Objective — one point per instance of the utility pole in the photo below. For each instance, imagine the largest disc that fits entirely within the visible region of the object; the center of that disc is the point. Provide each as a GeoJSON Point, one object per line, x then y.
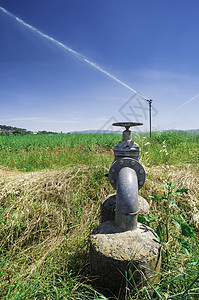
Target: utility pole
{"type": "Point", "coordinates": [150, 102]}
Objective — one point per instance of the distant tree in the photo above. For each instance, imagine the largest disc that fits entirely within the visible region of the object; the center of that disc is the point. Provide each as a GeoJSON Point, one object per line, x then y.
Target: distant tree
{"type": "Point", "coordinates": [19, 131]}
{"type": "Point", "coordinates": [42, 132]}
{"type": "Point", "coordinates": [46, 132]}
{"type": "Point", "coordinates": [7, 130]}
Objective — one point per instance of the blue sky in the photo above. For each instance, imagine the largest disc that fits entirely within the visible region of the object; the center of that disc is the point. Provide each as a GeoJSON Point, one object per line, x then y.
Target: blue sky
{"type": "Point", "coordinates": [151, 46]}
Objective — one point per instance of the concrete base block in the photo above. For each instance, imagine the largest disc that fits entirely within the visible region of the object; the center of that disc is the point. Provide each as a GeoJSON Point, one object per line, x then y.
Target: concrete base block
{"type": "Point", "coordinates": [109, 204]}
{"type": "Point", "coordinates": [117, 255]}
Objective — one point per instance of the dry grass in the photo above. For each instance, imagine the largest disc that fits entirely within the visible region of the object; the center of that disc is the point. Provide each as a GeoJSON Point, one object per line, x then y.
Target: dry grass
{"type": "Point", "coordinates": [43, 211]}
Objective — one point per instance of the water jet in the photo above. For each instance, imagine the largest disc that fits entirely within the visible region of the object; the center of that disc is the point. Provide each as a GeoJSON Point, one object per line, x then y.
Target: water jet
{"type": "Point", "coordinates": [68, 49]}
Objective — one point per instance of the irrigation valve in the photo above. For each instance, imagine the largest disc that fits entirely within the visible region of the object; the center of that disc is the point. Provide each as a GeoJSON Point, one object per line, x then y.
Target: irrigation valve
{"type": "Point", "coordinates": [114, 256]}
{"type": "Point", "coordinates": [127, 176]}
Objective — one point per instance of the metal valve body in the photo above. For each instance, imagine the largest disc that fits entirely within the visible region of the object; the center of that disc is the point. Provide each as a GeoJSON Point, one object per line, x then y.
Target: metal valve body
{"type": "Point", "coordinates": [127, 147]}
{"type": "Point", "coordinates": [126, 175]}
{"type": "Point", "coordinates": [125, 246]}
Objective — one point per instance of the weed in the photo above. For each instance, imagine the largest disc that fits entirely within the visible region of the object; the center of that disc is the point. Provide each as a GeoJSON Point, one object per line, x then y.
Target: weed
{"type": "Point", "coordinates": [180, 245]}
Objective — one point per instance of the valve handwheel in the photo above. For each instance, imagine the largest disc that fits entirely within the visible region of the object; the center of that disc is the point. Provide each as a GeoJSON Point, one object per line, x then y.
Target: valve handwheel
{"type": "Point", "coordinates": [127, 125]}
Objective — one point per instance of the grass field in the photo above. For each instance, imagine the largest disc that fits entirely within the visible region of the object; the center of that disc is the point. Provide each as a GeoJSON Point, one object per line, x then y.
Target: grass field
{"type": "Point", "coordinates": [51, 190]}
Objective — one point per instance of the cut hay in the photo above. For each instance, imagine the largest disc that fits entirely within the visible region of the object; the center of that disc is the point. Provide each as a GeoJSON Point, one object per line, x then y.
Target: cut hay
{"type": "Point", "coordinates": [41, 211]}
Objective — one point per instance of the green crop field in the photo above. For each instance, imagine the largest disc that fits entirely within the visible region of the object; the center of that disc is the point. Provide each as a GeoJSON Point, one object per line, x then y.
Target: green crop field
{"type": "Point", "coordinates": [52, 187]}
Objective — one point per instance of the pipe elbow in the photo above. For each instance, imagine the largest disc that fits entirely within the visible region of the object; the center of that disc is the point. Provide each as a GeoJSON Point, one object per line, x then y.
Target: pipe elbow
{"type": "Point", "coordinates": [127, 199]}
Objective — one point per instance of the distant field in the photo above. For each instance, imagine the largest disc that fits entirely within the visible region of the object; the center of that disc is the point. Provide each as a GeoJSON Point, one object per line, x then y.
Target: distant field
{"type": "Point", "coordinates": [37, 152]}
{"type": "Point", "coordinates": [52, 187]}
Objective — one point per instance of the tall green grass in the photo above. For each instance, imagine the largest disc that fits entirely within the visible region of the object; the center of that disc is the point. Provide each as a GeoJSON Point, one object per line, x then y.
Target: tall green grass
{"type": "Point", "coordinates": [171, 147]}
{"type": "Point", "coordinates": [16, 143]}
{"type": "Point", "coordinates": [36, 152]}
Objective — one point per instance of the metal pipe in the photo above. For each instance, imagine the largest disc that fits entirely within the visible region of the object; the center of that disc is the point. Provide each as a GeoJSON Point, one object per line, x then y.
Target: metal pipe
{"type": "Point", "coordinates": [127, 199]}
{"type": "Point", "coordinates": [150, 102]}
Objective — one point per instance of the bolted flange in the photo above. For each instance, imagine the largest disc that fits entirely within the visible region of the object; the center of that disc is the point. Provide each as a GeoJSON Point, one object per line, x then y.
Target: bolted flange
{"type": "Point", "coordinates": [130, 163]}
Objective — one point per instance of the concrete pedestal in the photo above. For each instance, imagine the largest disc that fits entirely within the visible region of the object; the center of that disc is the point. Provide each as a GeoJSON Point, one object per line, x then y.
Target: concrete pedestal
{"type": "Point", "coordinates": [117, 255]}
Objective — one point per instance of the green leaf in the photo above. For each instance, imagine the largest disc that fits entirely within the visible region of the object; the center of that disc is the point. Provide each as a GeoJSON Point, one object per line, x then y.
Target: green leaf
{"type": "Point", "coordinates": [168, 184]}
{"type": "Point", "coordinates": [142, 219]}
{"type": "Point", "coordinates": [157, 239]}
{"type": "Point", "coordinates": [169, 187]}
{"type": "Point", "coordinates": [185, 246]}
{"type": "Point", "coordinates": [186, 230]}
{"type": "Point", "coordinates": [151, 218]}
{"type": "Point", "coordinates": [177, 223]}
{"type": "Point", "coordinates": [183, 227]}
{"type": "Point", "coordinates": [155, 197]}
{"type": "Point", "coordinates": [159, 231]}
{"type": "Point", "coordinates": [181, 191]}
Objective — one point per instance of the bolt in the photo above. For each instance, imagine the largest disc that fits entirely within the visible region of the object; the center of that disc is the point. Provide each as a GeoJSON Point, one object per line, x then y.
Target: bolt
{"type": "Point", "coordinates": [132, 163]}
{"type": "Point", "coordinates": [140, 182]}
{"type": "Point", "coordinates": [112, 170]}
{"type": "Point", "coordinates": [112, 181]}
{"type": "Point", "coordinates": [141, 171]}
{"type": "Point", "coordinates": [121, 162]}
